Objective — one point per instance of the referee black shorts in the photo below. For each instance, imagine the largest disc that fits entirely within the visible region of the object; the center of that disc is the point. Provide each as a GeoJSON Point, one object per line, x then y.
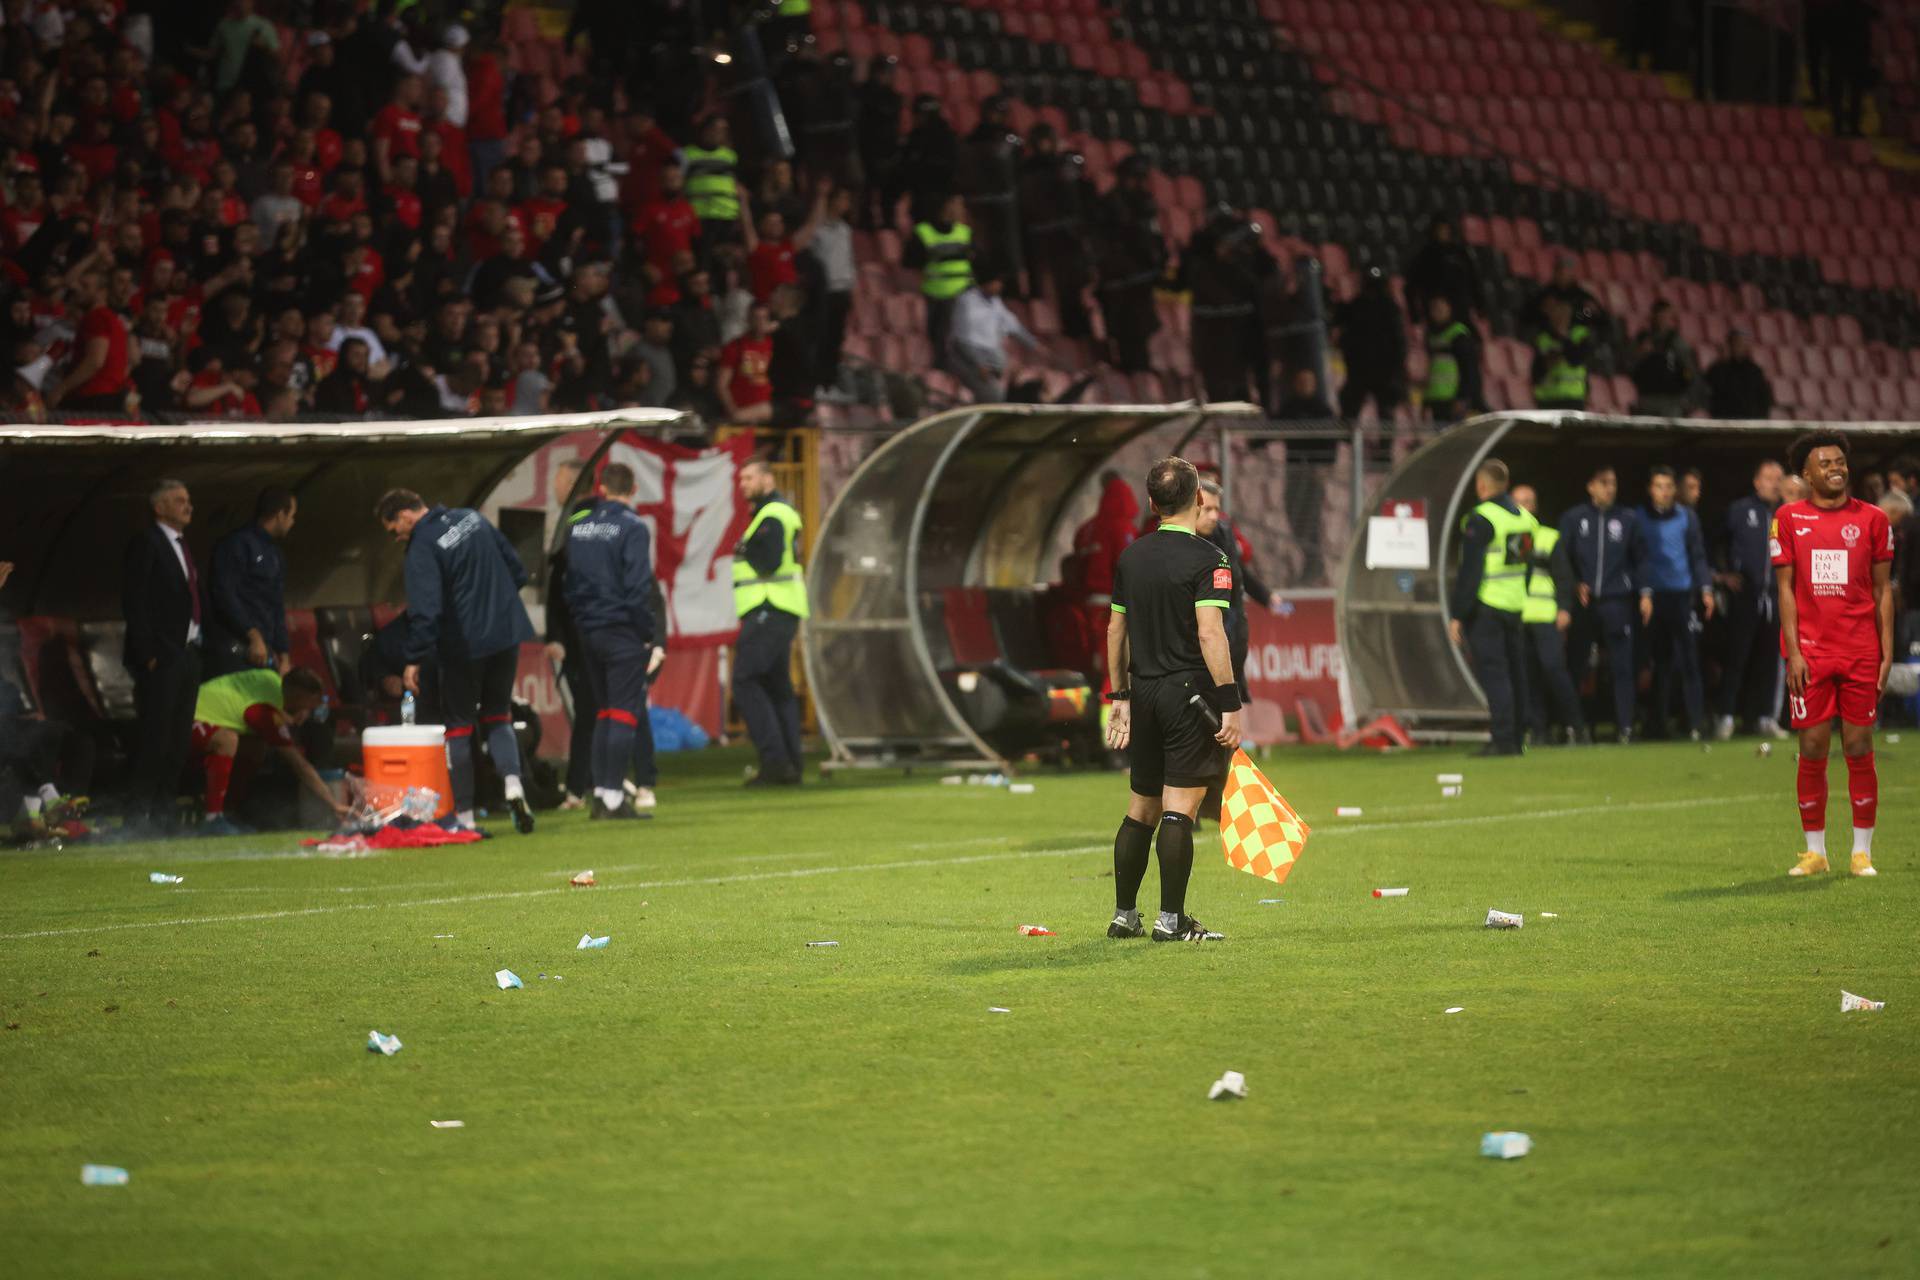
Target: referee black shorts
{"type": "Point", "coordinates": [1172, 744]}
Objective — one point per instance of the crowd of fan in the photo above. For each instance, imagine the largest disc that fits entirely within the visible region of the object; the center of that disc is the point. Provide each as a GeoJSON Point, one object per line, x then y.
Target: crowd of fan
{"type": "Point", "coordinates": [402, 231]}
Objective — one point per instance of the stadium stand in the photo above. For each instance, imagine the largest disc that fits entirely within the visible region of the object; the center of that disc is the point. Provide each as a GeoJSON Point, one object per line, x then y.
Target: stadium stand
{"type": "Point", "coordinates": [1342, 139]}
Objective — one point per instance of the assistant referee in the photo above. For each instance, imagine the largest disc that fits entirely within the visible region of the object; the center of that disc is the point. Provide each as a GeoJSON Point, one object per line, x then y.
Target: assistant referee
{"type": "Point", "coordinates": [1166, 645]}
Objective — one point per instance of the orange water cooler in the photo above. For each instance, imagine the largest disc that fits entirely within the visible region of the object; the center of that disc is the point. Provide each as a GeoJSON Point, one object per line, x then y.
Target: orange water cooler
{"type": "Point", "coordinates": [398, 756]}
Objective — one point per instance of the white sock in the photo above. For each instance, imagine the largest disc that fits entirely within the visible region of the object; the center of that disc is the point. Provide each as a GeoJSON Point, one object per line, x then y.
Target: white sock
{"type": "Point", "coordinates": [49, 793]}
{"type": "Point", "coordinates": [610, 797]}
{"type": "Point", "coordinates": [511, 785]}
{"type": "Point", "coordinates": [1863, 840]}
{"type": "Point", "coordinates": [1817, 842]}
{"type": "Point", "coordinates": [464, 817]}
{"type": "Point", "coordinates": [1170, 921]}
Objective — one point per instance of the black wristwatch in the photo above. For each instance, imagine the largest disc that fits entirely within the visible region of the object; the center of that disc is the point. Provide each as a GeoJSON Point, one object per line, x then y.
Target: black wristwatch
{"type": "Point", "coordinates": [1120, 695]}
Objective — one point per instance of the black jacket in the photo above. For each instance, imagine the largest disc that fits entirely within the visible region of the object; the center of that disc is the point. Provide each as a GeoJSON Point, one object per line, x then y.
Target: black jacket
{"type": "Point", "coordinates": [155, 600]}
{"type": "Point", "coordinates": [1738, 389]}
{"type": "Point", "coordinates": [247, 580]}
{"type": "Point", "coordinates": [1749, 532]}
{"type": "Point", "coordinates": [463, 588]}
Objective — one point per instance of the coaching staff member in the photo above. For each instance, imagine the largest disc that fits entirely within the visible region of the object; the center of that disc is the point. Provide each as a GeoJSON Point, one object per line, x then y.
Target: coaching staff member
{"type": "Point", "coordinates": [1167, 643]}
{"type": "Point", "coordinates": [248, 582]}
{"type": "Point", "coordinates": [609, 591]}
{"type": "Point", "coordinates": [1489, 597]}
{"type": "Point", "coordinates": [770, 595]}
{"type": "Point", "coordinates": [463, 606]}
{"type": "Point", "coordinates": [165, 605]}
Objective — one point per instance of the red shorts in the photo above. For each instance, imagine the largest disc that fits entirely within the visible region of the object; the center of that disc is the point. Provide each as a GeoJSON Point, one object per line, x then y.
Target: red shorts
{"type": "Point", "coordinates": [1847, 685]}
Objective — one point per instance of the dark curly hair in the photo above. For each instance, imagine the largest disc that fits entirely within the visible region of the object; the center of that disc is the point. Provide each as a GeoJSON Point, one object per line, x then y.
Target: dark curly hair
{"type": "Point", "coordinates": [1803, 446]}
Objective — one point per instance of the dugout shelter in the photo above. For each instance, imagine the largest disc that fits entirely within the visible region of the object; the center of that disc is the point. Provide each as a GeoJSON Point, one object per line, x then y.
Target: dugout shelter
{"type": "Point", "coordinates": [1392, 608]}
{"type": "Point", "coordinates": [934, 576]}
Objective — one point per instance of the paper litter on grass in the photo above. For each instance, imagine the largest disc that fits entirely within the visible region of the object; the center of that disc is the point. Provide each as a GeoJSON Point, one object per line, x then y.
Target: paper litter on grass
{"type": "Point", "coordinates": [1231, 1084]}
{"type": "Point", "coordinates": [439, 936]}
{"type": "Point", "coordinates": [1444, 778]}
{"type": "Point", "coordinates": [1271, 902]}
{"type": "Point", "coordinates": [1450, 792]}
{"type": "Point", "coordinates": [823, 944]}
{"type": "Point", "coordinates": [1389, 893]}
{"type": "Point", "coordinates": [448, 1124]}
{"type": "Point", "coordinates": [1505, 920]}
{"type": "Point", "coordinates": [103, 1175]}
{"type": "Point", "coordinates": [584, 880]}
{"type": "Point", "coordinates": [1851, 1003]}
{"type": "Point", "coordinates": [590, 943]}
{"type": "Point", "coordinates": [994, 1008]}
{"type": "Point", "coordinates": [161, 877]}
{"type": "Point", "coordinates": [508, 978]}
{"type": "Point", "coordinates": [386, 1046]}
{"type": "Point", "coordinates": [1549, 915]}
{"type": "Point", "coordinates": [1505, 1145]}
{"type": "Point", "coordinates": [1037, 931]}
{"type": "Point", "coordinates": [1020, 789]}
{"type": "Point", "coordinates": [1459, 1008]}
{"type": "Point", "coordinates": [1347, 811]}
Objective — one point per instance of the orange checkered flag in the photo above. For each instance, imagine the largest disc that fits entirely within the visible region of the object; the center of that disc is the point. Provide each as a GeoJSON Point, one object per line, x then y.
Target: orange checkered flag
{"type": "Point", "coordinates": [1259, 831]}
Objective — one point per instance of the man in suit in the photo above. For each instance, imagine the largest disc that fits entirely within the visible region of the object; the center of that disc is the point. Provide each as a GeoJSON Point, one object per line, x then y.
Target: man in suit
{"type": "Point", "coordinates": [165, 605]}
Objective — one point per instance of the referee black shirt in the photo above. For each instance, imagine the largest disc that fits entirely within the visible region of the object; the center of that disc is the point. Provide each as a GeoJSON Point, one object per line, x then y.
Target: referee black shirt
{"type": "Point", "coordinates": [1157, 583]}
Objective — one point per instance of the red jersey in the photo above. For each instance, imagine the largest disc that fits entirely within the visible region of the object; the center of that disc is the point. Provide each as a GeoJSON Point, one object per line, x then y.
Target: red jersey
{"type": "Point", "coordinates": [1833, 553]}
{"type": "Point", "coordinates": [749, 359]}
{"type": "Point", "coordinates": [669, 227]}
{"type": "Point", "coordinates": [400, 128]}
{"type": "Point", "coordinates": [111, 379]}
{"type": "Point", "coordinates": [769, 266]}
{"type": "Point", "coordinates": [540, 216]}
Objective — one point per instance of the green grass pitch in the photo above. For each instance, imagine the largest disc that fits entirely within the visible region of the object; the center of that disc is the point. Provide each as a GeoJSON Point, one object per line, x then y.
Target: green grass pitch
{"type": "Point", "coordinates": [710, 1097]}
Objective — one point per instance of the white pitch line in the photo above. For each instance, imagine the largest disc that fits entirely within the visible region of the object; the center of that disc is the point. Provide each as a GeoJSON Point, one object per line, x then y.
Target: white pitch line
{"type": "Point", "coordinates": [801, 873]}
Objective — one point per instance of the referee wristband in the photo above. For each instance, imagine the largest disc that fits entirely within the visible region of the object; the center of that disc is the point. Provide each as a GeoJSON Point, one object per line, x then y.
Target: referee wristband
{"type": "Point", "coordinates": [1225, 697]}
{"type": "Point", "coordinates": [1120, 695]}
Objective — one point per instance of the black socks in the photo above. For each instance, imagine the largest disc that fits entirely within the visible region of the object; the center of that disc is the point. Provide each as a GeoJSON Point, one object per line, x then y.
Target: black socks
{"type": "Point", "coordinates": [1131, 846]}
{"type": "Point", "coordinates": [1176, 860]}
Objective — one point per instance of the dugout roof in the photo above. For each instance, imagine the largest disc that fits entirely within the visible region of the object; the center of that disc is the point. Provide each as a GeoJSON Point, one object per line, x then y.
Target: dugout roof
{"type": "Point", "coordinates": [1393, 622]}
{"type": "Point", "coordinates": [72, 497]}
{"type": "Point", "coordinates": [973, 497]}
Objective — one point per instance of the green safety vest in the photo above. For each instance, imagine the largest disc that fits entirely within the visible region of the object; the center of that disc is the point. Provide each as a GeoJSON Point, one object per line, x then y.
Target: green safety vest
{"type": "Point", "coordinates": [1542, 604]}
{"type": "Point", "coordinates": [1564, 381]}
{"type": "Point", "coordinates": [795, 8]}
{"type": "Point", "coordinates": [711, 180]}
{"type": "Point", "coordinates": [223, 702]}
{"type": "Point", "coordinates": [786, 589]}
{"type": "Point", "coordinates": [1503, 580]}
{"type": "Point", "coordinates": [949, 269]}
{"type": "Point", "coordinates": [1443, 370]}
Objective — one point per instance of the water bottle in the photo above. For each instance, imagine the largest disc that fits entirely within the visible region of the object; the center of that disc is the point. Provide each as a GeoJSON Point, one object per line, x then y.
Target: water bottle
{"type": "Point", "coordinates": [321, 712]}
{"type": "Point", "coordinates": [406, 707]}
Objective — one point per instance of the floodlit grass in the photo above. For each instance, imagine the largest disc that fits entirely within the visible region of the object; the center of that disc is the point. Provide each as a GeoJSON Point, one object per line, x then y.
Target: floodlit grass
{"type": "Point", "coordinates": [709, 1096]}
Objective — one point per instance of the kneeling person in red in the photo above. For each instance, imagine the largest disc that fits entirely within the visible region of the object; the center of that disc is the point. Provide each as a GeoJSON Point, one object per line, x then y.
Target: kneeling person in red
{"type": "Point", "coordinates": [238, 718]}
{"type": "Point", "coordinates": [1833, 556]}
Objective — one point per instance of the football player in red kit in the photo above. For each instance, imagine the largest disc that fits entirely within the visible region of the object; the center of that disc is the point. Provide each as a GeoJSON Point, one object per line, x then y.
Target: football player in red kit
{"type": "Point", "coordinates": [1833, 555]}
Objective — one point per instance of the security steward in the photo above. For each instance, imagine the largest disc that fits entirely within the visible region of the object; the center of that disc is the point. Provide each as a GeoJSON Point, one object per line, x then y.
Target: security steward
{"type": "Point", "coordinates": [609, 591]}
{"type": "Point", "coordinates": [1453, 364]}
{"type": "Point", "coordinates": [1547, 615]}
{"type": "Point", "coordinates": [1561, 353]}
{"type": "Point", "coordinates": [770, 595]}
{"type": "Point", "coordinates": [943, 250]}
{"type": "Point", "coordinates": [247, 580]}
{"type": "Point", "coordinates": [1489, 597]}
{"type": "Point", "coordinates": [463, 607]}
{"type": "Point", "coordinates": [713, 183]}
{"type": "Point", "coordinates": [1167, 649]}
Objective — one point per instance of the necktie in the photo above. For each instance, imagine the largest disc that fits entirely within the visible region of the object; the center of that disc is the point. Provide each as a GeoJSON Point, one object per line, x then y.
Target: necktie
{"type": "Point", "coordinates": [193, 578]}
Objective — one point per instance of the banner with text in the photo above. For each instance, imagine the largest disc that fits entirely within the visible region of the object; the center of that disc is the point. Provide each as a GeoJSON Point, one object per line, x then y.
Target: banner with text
{"type": "Point", "coordinates": [1292, 654]}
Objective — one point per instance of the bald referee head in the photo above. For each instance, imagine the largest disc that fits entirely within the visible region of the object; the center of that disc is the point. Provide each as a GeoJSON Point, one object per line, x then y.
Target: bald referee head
{"type": "Point", "coordinates": [1176, 707]}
